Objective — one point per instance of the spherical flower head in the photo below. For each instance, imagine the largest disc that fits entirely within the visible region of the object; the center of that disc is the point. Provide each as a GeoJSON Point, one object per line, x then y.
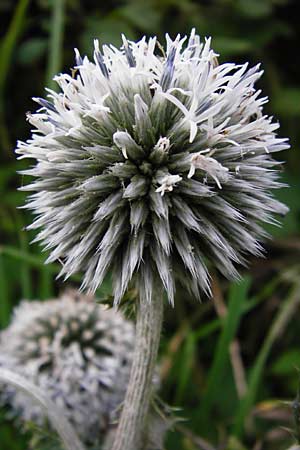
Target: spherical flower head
{"type": "Point", "coordinates": [78, 352]}
{"type": "Point", "coordinates": [153, 164]}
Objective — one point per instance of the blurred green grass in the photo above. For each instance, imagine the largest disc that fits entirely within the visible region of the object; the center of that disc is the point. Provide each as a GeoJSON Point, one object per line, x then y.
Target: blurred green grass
{"type": "Point", "coordinates": [37, 40]}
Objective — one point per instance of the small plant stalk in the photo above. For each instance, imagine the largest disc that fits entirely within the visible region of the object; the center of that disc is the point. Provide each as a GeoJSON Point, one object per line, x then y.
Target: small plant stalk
{"type": "Point", "coordinates": [56, 417]}
{"type": "Point", "coordinates": [131, 432]}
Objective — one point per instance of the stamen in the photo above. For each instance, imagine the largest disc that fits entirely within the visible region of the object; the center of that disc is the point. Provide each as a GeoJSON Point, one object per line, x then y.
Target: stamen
{"type": "Point", "coordinates": [99, 59]}
{"type": "Point", "coordinates": [169, 69]}
{"type": "Point", "coordinates": [128, 52]}
{"type": "Point", "coordinates": [45, 104]}
{"type": "Point", "coordinates": [209, 165]}
{"type": "Point", "coordinates": [168, 183]}
{"type": "Point", "coordinates": [78, 59]}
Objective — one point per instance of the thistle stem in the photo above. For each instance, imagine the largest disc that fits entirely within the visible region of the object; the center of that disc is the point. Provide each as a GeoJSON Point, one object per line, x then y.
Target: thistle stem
{"type": "Point", "coordinates": [132, 428]}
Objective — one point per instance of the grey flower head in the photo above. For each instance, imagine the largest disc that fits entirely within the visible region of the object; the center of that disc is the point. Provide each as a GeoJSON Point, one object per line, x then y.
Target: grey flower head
{"type": "Point", "coordinates": [153, 164]}
{"type": "Point", "coordinates": [78, 352]}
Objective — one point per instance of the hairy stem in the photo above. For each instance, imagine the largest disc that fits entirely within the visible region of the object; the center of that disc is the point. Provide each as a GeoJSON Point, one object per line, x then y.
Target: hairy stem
{"type": "Point", "coordinates": [132, 428]}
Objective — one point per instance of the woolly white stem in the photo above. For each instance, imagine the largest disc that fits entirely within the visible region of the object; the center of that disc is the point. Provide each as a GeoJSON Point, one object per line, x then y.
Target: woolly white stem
{"type": "Point", "coordinates": [131, 431]}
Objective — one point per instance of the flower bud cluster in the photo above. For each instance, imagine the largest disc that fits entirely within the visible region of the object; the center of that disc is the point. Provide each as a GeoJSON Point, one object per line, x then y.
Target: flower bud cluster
{"type": "Point", "coordinates": [79, 353]}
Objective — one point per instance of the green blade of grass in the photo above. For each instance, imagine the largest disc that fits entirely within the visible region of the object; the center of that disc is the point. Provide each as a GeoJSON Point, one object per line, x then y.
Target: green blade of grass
{"type": "Point", "coordinates": [214, 325]}
{"type": "Point", "coordinates": [6, 53]}
{"type": "Point", "coordinates": [237, 299]}
{"type": "Point", "coordinates": [285, 313]}
{"type": "Point", "coordinates": [208, 329]}
{"type": "Point", "coordinates": [56, 42]}
{"type": "Point", "coordinates": [25, 269]}
{"type": "Point", "coordinates": [4, 296]}
{"type": "Point", "coordinates": [21, 255]}
{"type": "Point", "coordinates": [186, 364]}
{"type": "Point", "coordinates": [25, 272]}
{"type": "Point", "coordinates": [38, 262]}
{"type": "Point", "coordinates": [10, 39]}
{"type": "Point", "coordinates": [247, 306]}
{"type": "Point", "coordinates": [46, 283]}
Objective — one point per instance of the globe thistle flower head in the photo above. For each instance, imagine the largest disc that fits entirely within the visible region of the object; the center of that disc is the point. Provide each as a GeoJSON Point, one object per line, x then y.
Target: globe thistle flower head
{"type": "Point", "coordinates": [153, 164]}
{"type": "Point", "coordinates": [78, 352]}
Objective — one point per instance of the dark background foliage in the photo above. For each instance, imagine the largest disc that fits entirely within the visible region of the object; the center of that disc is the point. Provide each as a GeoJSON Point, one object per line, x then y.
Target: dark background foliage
{"type": "Point", "coordinates": [228, 363]}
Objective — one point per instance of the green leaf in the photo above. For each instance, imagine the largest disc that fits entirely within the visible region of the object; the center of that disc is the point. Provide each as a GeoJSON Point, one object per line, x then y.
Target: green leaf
{"type": "Point", "coordinates": [31, 50]}
{"type": "Point", "coordinates": [256, 9]}
{"type": "Point", "coordinates": [107, 30]}
{"type": "Point", "coordinates": [286, 102]}
{"type": "Point", "coordinates": [287, 363]}
{"type": "Point", "coordinates": [226, 45]}
{"type": "Point", "coordinates": [289, 225]}
{"type": "Point", "coordinates": [234, 444]}
{"type": "Point", "coordinates": [142, 15]}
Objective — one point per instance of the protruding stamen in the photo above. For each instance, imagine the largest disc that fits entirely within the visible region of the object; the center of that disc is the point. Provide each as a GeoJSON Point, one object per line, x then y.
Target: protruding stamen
{"type": "Point", "coordinates": [78, 58]}
{"type": "Point", "coordinates": [169, 69]}
{"type": "Point", "coordinates": [209, 165]}
{"type": "Point", "coordinates": [160, 151]}
{"type": "Point", "coordinates": [128, 52]}
{"type": "Point", "coordinates": [45, 104]}
{"type": "Point", "coordinates": [128, 146]}
{"type": "Point", "coordinates": [99, 59]}
{"type": "Point", "coordinates": [40, 121]}
{"type": "Point", "coordinates": [163, 144]}
{"type": "Point", "coordinates": [141, 108]}
{"type": "Point", "coordinates": [191, 41]}
{"type": "Point", "coordinates": [168, 183]}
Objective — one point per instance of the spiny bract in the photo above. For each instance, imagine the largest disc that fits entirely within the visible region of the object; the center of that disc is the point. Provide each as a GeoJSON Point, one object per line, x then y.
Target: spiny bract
{"type": "Point", "coordinates": [78, 352]}
{"type": "Point", "coordinates": [153, 165]}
